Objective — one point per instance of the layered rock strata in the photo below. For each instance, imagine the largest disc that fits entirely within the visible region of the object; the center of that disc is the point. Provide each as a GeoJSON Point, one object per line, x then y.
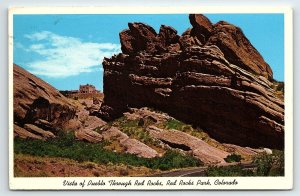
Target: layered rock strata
{"type": "Point", "coordinates": [211, 76]}
{"type": "Point", "coordinates": [200, 149]}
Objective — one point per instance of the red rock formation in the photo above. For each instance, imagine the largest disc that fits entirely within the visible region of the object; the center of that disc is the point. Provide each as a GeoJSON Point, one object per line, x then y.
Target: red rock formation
{"type": "Point", "coordinates": [131, 146]}
{"type": "Point", "coordinates": [35, 100]}
{"type": "Point", "coordinates": [202, 27]}
{"type": "Point", "coordinates": [25, 134]}
{"type": "Point", "coordinates": [232, 42]}
{"type": "Point", "coordinates": [206, 80]}
{"type": "Point", "coordinates": [238, 50]}
{"type": "Point", "coordinates": [88, 135]}
{"type": "Point", "coordinates": [200, 149]}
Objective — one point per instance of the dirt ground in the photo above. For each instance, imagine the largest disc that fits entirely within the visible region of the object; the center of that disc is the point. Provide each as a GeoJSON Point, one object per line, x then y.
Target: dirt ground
{"type": "Point", "coordinates": [33, 166]}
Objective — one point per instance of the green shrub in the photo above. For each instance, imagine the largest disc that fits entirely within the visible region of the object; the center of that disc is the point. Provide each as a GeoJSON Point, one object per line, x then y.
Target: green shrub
{"type": "Point", "coordinates": [235, 170]}
{"type": "Point", "coordinates": [130, 124]}
{"type": "Point", "coordinates": [174, 124]}
{"type": "Point", "coordinates": [270, 164]}
{"type": "Point", "coordinates": [67, 146]}
{"type": "Point", "coordinates": [233, 158]}
{"type": "Point", "coordinates": [137, 129]}
{"type": "Point", "coordinates": [266, 165]}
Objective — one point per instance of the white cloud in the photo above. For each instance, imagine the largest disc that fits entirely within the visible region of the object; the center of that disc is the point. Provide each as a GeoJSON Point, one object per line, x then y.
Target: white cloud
{"type": "Point", "coordinates": [38, 35]}
{"type": "Point", "coordinates": [64, 56]}
{"type": "Point", "coordinates": [36, 47]}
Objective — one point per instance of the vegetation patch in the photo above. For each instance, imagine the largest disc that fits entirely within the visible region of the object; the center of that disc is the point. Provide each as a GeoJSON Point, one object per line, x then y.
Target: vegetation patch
{"type": "Point", "coordinates": [189, 129]}
{"type": "Point", "coordinates": [174, 124]}
{"type": "Point", "coordinates": [137, 129]}
{"type": "Point", "coordinates": [270, 164]}
{"type": "Point", "coordinates": [233, 158]}
{"type": "Point", "coordinates": [35, 166]}
{"type": "Point", "coordinates": [66, 146]}
{"type": "Point", "coordinates": [265, 165]}
{"type": "Point", "coordinates": [278, 88]}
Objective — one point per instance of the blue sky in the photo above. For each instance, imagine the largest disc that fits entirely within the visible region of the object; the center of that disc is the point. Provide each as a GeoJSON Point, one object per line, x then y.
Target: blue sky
{"type": "Point", "coordinates": [67, 50]}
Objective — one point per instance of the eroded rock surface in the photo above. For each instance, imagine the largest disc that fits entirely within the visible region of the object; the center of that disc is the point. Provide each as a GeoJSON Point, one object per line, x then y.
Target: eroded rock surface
{"type": "Point", "coordinates": [25, 134]}
{"type": "Point", "coordinates": [131, 146]}
{"type": "Point", "coordinates": [38, 131]}
{"type": "Point", "coordinates": [88, 135]}
{"type": "Point", "coordinates": [35, 100]}
{"type": "Point", "coordinates": [93, 122]}
{"type": "Point", "coordinates": [211, 77]}
{"type": "Point", "coordinates": [200, 149]}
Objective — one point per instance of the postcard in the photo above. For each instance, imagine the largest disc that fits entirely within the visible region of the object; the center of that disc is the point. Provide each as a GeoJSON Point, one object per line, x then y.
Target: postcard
{"type": "Point", "coordinates": [150, 98]}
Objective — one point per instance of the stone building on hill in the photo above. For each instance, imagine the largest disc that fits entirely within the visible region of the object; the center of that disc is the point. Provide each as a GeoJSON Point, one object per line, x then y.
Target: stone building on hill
{"type": "Point", "coordinates": [88, 88]}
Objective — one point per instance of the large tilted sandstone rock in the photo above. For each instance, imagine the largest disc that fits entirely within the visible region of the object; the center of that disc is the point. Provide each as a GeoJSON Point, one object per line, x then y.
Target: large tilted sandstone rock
{"type": "Point", "coordinates": [88, 135]}
{"type": "Point", "coordinates": [211, 76]}
{"type": "Point", "coordinates": [35, 99]}
{"type": "Point", "coordinates": [38, 131]}
{"type": "Point", "coordinates": [87, 131]}
{"type": "Point", "coordinates": [131, 146]}
{"type": "Point", "coordinates": [200, 149]}
{"type": "Point", "coordinates": [25, 134]}
{"type": "Point", "coordinates": [232, 42]}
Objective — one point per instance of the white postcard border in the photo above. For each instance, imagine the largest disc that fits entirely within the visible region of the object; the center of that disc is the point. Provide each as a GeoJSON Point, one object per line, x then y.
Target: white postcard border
{"type": "Point", "coordinates": [244, 183]}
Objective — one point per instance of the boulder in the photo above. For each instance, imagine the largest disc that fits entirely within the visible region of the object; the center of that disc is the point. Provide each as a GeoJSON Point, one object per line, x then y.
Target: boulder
{"type": "Point", "coordinates": [44, 124]}
{"type": "Point", "coordinates": [142, 37]}
{"type": "Point", "coordinates": [127, 41]}
{"type": "Point", "coordinates": [23, 133]}
{"type": "Point", "coordinates": [94, 122]}
{"type": "Point", "coordinates": [138, 148]}
{"type": "Point", "coordinates": [72, 125]}
{"type": "Point", "coordinates": [131, 146]}
{"type": "Point", "coordinates": [114, 133]}
{"type": "Point", "coordinates": [180, 140]}
{"type": "Point", "coordinates": [139, 37]}
{"type": "Point", "coordinates": [168, 35]}
{"type": "Point", "coordinates": [202, 27]}
{"type": "Point", "coordinates": [38, 131]}
{"type": "Point", "coordinates": [88, 135]}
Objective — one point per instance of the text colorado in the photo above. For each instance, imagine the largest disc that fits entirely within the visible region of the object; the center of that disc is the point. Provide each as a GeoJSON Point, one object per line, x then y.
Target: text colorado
{"type": "Point", "coordinates": [225, 182]}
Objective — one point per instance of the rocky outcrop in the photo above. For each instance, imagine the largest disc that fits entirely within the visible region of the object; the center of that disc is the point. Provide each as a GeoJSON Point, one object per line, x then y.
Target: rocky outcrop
{"type": "Point", "coordinates": [180, 140]}
{"type": "Point", "coordinates": [86, 131]}
{"type": "Point", "coordinates": [32, 132]}
{"type": "Point", "coordinates": [25, 134]}
{"type": "Point", "coordinates": [144, 114]}
{"type": "Point", "coordinates": [238, 50]}
{"type": "Point", "coordinates": [93, 122]}
{"type": "Point", "coordinates": [88, 135]}
{"type": "Point", "coordinates": [36, 100]}
{"type": "Point", "coordinates": [38, 131]}
{"type": "Point", "coordinates": [131, 146]}
{"type": "Point", "coordinates": [211, 77]}
{"type": "Point", "coordinates": [240, 150]}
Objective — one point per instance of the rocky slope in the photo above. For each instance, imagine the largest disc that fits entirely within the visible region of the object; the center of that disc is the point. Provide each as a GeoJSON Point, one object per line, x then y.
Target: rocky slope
{"type": "Point", "coordinates": [211, 76]}
{"type": "Point", "coordinates": [35, 99]}
{"type": "Point", "coordinates": [149, 134]}
{"type": "Point", "coordinates": [40, 110]}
